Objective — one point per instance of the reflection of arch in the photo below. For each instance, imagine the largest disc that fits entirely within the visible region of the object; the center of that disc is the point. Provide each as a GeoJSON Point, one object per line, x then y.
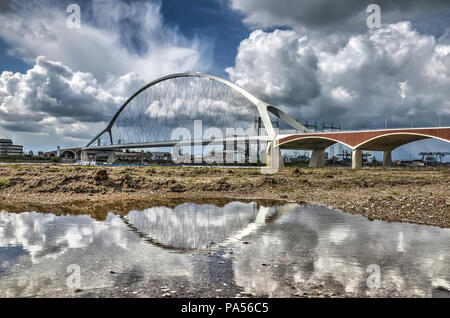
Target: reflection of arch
{"type": "Point", "coordinates": [173, 229]}
{"type": "Point", "coordinates": [390, 141]}
{"type": "Point", "coordinates": [146, 105]}
{"type": "Point", "coordinates": [149, 239]}
{"type": "Point", "coordinates": [310, 142]}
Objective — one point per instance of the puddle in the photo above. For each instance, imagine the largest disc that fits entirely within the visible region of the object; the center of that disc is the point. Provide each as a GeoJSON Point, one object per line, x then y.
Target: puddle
{"type": "Point", "coordinates": [220, 249]}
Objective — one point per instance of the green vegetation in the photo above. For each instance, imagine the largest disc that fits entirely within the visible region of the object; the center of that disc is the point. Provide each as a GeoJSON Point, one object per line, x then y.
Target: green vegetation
{"type": "Point", "coordinates": [4, 183]}
{"type": "Point", "coordinates": [11, 159]}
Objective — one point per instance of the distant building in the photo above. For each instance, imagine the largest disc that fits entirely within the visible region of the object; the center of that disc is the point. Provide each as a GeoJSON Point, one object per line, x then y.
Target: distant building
{"type": "Point", "coordinates": [161, 156]}
{"type": "Point", "coordinates": [7, 148]}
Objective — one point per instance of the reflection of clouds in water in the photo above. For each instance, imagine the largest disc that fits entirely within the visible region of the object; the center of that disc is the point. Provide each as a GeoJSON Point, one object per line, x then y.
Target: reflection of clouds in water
{"type": "Point", "coordinates": [78, 237]}
{"type": "Point", "coordinates": [248, 271]}
{"type": "Point", "coordinates": [54, 242]}
{"type": "Point", "coordinates": [310, 244]}
{"type": "Point", "coordinates": [338, 234]}
{"type": "Point", "coordinates": [274, 245]}
{"type": "Point", "coordinates": [342, 249]}
{"type": "Point", "coordinates": [400, 242]}
{"type": "Point", "coordinates": [47, 236]}
{"type": "Point", "coordinates": [26, 229]}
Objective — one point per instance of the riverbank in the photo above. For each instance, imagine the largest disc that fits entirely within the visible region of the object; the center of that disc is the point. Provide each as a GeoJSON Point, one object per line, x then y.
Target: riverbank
{"type": "Point", "coordinates": [418, 196]}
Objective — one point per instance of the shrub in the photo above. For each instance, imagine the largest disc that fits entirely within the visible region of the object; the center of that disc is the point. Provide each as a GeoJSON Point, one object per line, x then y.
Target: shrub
{"type": "Point", "coordinates": [4, 183]}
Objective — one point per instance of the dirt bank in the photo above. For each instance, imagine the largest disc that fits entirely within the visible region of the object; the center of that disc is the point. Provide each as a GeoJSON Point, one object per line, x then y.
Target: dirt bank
{"type": "Point", "coordinates": [402, 195]}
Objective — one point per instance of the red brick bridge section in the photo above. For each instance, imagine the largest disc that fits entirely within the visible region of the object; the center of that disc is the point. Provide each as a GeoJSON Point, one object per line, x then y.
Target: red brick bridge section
{"type": "Point", "coordinates": [69, 153]}
{"type": "Point", "coordinates": [384, 140]}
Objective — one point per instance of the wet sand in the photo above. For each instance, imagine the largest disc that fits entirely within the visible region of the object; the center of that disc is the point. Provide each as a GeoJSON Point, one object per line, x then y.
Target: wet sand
{"type": "Point", "coordinates": [418, 196]}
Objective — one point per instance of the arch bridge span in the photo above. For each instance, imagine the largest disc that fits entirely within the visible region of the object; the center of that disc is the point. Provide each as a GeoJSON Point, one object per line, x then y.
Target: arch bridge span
{"type": "Point", "coordinates": [150, 115]}
{"type": "Point", "coordinates": [155, 114]}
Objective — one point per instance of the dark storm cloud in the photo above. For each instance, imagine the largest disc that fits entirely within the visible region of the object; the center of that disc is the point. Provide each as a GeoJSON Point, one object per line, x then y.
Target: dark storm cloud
{"type": "Point", "coordinates": [23, 127]}
{"type": "Point", "coordinates": [7, 5]}
{"type": "Point", "coordinates": [331, 15]}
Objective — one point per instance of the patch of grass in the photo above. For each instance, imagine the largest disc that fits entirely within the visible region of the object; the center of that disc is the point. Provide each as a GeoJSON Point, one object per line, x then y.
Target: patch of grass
{"type": "Point", "coordinates": [4, 183]}
{"type": "Point", "coordinates": [17, 167]}
{"type": "Point", "coordinates": [73, 169]}
{"type": "Point", "coordinates": [53, 170]}
{"type": "Point", "coordinates": [150, 170]}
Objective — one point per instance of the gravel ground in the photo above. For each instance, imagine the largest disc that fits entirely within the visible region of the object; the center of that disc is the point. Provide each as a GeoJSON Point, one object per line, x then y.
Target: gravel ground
{"type": "Point", "coordinates": [418, 196]}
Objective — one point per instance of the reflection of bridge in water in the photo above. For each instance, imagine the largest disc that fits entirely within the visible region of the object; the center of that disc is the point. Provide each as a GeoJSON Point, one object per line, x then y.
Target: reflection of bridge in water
{"type": "Point", "coordinates": [167, 111]}
{"type": "Point", "coordinates": [190, 226]}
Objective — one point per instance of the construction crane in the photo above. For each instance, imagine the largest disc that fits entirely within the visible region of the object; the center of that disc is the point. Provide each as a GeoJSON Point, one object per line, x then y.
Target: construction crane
{"type": "Point", "coordinates": [433, 156]}
{"type": "Point", "coordinates": [347, 156]}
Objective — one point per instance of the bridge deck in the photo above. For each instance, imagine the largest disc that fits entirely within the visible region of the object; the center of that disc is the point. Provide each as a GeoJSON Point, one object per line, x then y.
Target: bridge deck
{"type": "Point", "coordinates": [381, 140]}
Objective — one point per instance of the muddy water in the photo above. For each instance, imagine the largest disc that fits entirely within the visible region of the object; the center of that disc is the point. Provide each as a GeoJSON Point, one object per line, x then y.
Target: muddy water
{"type": "Point", "coordinates": [239, 249]}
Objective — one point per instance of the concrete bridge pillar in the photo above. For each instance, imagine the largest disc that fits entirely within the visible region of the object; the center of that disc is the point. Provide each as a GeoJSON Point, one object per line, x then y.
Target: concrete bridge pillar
{"type": "Point", "coordinates": [112, 158]}
{"type": "Point", "coordinates": [84, 155]}
{"type": "Point", "coordinates": [88, 155]}
{"type": "Point", "coordinates": [356, 159]}
{"type": "Point", "coordinates": [317, 159]}
{"type": "Point", "coordinates": [387, 159]}
{"type": "Point", "coordinates": [280, 157]}
{"type": "Point", "coordinates": [274, 158]}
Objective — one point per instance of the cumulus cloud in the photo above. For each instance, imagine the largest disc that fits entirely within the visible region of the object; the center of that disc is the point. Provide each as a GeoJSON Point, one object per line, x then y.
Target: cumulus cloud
{"type": "Point", "coordinates": [51, 98]}
{"type": "Point", "coordinates": [118, 38]}
{"type": "Point", "coordinates": [393, 73]}
{"type": "Point", "coordinates": [330, 15]}
{"type": "Point", "coordinates": [275, 65]}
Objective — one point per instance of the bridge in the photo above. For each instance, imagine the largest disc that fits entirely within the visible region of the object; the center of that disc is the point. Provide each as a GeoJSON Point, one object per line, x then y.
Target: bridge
{"type": "Point", "coordinates": [385, 140]}
{"type": "Point", "coordinates": [68, 153]}
{"type": "Point", "coordinates": [189, 111]}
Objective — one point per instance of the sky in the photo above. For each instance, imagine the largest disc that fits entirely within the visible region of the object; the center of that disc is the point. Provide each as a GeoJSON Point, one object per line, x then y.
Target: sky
{"type": "Point", "coordinates": [316, 60]}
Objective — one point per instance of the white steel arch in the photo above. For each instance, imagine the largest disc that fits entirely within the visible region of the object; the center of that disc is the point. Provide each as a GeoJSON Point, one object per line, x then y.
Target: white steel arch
{"type": "Point", "coordinates": [262, 107]}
